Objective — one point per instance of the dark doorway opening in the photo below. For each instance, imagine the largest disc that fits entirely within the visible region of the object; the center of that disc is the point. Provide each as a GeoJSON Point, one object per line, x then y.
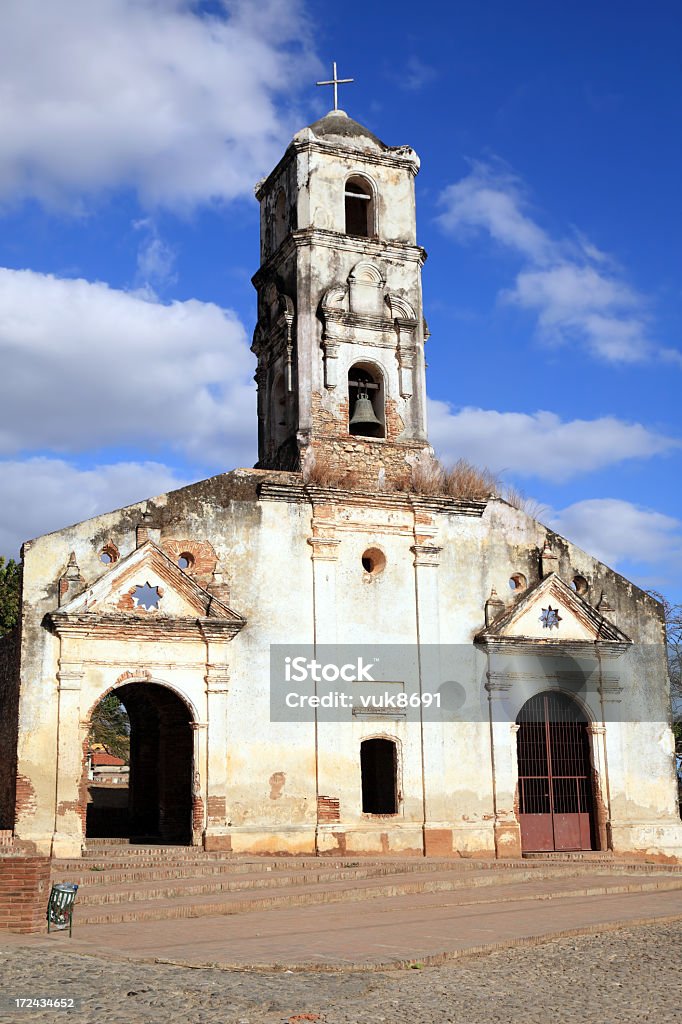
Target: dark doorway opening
{"type": "Point", "coordinates": [156, 806]}
{"type": "Point", "coordinates": [556, 803]}
{"type": "Point", "coordinates": [379, 770]}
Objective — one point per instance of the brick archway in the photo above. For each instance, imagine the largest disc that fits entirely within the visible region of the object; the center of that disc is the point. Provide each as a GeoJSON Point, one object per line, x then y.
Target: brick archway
{"type": "Point", "coordinates": [160, 792]}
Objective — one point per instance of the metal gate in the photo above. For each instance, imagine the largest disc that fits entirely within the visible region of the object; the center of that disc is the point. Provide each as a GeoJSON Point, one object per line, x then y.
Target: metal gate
{"type": "Point", "coordinates": [555, 777]}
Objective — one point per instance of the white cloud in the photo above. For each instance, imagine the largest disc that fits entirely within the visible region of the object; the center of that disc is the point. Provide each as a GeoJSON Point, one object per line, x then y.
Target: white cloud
{"type": "Point", "coordinates": [539, 444]}
{"type": "Point", "coordinates": [44, 494]}
{"type": "Point", "coordinates": [150, 94]}
{"type": "Point", "coordinates": [618, 531]}
{"type": "Point", "coordinates": [87, 366]}
{"type": "Point", "coordinates": [415, 74]}
{"type": "Point", "coordinates": [573, 288]}
{"type": "Point", "coordinates": [580, 302]}
{"type": "Point", "coordinates": [491, 200]}
{"type": "Point", "coordinates": [155, 258]}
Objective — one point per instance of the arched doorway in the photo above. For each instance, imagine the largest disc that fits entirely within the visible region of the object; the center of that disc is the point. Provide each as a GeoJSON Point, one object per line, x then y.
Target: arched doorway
{"type": "Point", "coordinates": [556, 800]}
{"type": "Point", "coordinates": [159, 794]}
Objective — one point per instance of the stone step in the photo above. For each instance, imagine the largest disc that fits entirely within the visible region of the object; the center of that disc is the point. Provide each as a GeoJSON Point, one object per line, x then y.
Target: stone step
{"type": "Point", "coordinates": [121, 887]}
{"type": "Point", "coordinates": [220, 877]}
{"type": "Point", "coordinates": [209, 864]}
{"type": "Point", "coordinates": [567, 856]}
{"type": "Point", "coordinates": [147, 891]}
{"type": "Point", "coordinates": [231, 902]}
{"type": "Point", "coordinates": [160, 863]}
{"type": "Point", "coordinates": [148, 850]}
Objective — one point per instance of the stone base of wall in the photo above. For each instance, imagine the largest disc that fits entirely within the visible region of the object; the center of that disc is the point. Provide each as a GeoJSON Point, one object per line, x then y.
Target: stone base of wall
{"type": "Point", "coordinates": [217, 841]}
{"type": "Point", "coordinates": [655, 842]}
{"type": "Point", "coordinates": [334, 839]}
{"type": "Point", "coordinates": [24, 892]}
{"type": "Point", "coordinates": [378, 840]}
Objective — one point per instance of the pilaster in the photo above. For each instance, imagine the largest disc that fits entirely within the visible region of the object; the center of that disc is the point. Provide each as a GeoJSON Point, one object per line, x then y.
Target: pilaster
{"type": "Point", "coordinates": [70, 809]}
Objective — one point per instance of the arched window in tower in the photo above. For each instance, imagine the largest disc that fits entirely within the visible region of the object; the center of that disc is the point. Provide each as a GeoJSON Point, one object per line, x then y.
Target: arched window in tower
{"type": "Point", "coordinates": [359, 207]}
{"type": "Point", "coordinates": [279, 418]}
{"type": "Point", "coordinates": [280, 225]}
{"type": "Point", "coordinates": [366, 401]}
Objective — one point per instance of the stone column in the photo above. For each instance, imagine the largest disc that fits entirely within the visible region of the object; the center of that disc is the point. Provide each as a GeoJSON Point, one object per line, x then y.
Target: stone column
{"type": "Point", "coordinates": [602, 810]}
{"type": "Point", "coordinates": [199, 731]}
{"type": "Point", "coordinates": [324, 555]}
{"type": "Point", "coordinates": [69, 823]}
{"type": "Point", "coordinates": [505, 770]}
{"type": "Point", "coordinates": [216, 836]}
{"type": "Point", "coordinates": [437, 839]}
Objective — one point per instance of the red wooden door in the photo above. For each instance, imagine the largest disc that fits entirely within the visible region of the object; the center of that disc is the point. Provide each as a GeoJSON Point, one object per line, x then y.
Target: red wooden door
{"type": "Point", "coordinates": [555, 777]}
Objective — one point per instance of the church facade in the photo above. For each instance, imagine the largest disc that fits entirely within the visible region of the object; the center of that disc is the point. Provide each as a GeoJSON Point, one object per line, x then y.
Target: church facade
{"type": "Point", "coordinates": [529, 704]}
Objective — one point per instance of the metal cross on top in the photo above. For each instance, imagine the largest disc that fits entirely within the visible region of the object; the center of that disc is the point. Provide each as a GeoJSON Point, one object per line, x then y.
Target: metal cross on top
{"type": "Point", "coordinates": [336, 82]}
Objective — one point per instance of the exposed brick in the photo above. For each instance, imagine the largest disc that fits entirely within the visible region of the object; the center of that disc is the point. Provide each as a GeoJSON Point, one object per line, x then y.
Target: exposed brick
{"type": "Point", "coordinates": [25, 797]}
{"type": "Point", "coordinates": [328, 808]}
{"type": "Point", "coordinates": [24, 892]}
{"type": "Point", "coordinates": [216, 807]}
{"type": "Point", "coordinates": [203, 559]}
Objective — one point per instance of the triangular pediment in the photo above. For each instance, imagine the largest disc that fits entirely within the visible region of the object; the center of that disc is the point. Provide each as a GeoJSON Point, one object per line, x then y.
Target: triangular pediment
{"type": "Point", "coordinates": [552, 613]}
{"type": "Point", "coordinates": [147, 586]}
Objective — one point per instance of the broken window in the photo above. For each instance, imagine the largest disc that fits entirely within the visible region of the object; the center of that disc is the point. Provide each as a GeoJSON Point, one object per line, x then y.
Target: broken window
{"type": "Point", "coordinates": [379, 770]}
{"type": "Point", "coordinates": [359, 208]}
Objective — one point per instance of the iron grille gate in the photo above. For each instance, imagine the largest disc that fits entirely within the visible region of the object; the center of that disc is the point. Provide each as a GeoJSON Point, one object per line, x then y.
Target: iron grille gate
{"type": "Point", "coordinates": [555, 778]}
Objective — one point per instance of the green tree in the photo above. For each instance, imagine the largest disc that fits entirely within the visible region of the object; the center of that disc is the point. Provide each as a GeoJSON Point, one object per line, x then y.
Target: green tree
{"type": "Point", "coordinates": [110, 726]}
{"type": "Point", "coordinates": [10, 591]}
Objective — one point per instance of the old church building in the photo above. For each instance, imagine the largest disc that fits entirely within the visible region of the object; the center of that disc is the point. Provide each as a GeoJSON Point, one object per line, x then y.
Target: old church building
{"type": "Point", "coordinates": [558, 735]}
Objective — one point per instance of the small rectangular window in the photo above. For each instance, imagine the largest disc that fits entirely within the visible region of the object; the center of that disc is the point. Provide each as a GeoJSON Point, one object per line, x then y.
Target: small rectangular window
{"type": "Point", "coordinates": [379, 769]}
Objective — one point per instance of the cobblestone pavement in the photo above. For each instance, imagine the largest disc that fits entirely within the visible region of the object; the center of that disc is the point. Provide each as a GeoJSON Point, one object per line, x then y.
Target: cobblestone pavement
{"type": "Point", "coordinates": [623, 976]}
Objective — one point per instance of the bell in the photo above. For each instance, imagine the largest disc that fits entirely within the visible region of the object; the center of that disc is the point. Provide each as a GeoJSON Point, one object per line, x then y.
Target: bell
{"type": "Point", "coordinates": [364, 420]}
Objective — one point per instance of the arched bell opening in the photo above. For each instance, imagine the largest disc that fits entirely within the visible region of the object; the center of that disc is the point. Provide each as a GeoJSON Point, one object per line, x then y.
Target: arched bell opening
{"type": "Point", "coordinates": [366, 401]}
{"type": "Point", "coordinates": [359, 207]}
{"type": "Point", "coordinates": [156, 804]}
{"type": "Point", "coordinates": [556, 782]}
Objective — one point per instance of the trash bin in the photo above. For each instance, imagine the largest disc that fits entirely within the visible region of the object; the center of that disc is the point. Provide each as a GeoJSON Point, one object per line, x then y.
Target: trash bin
{"type": "Point", "coordinates": [60, 906]}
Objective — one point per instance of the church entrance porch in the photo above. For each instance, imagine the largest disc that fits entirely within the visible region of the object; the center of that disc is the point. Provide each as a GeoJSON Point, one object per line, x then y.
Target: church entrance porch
{"type": "Point", "coordinates": [157, 805]}
{"type": "Point", "coordinates": [555, 775]}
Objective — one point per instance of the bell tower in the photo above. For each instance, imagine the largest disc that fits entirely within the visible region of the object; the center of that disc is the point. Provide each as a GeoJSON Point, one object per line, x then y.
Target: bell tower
{"type": "Point", "coordinates": [340, 333]}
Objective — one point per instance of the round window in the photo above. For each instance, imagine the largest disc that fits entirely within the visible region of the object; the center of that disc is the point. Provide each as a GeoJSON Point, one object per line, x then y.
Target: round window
{"type": "Point", "coordinates": [373, 561]}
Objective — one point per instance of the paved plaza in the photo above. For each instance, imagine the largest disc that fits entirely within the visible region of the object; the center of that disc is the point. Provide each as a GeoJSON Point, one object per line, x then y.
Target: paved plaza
{"type": "Point", "coordinates": [618, 977]}
{"type": "Point", "coordinates": [527, 948]}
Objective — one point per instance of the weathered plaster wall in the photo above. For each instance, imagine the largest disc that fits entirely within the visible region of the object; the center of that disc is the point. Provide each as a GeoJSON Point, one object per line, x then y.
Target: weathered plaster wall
{"type": "Point", "coordinates": [291, 561]}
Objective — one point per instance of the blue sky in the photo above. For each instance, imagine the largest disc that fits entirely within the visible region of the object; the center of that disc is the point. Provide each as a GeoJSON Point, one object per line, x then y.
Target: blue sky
{"type": "Point", "coordinates": [549, 134]}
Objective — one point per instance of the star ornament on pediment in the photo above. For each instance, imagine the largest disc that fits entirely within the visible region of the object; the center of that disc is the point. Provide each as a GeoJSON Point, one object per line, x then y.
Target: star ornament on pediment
{"type": "Point", "coordinates": [146, 596]}
{"type": "Point", "coordinates": [550, 618]}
